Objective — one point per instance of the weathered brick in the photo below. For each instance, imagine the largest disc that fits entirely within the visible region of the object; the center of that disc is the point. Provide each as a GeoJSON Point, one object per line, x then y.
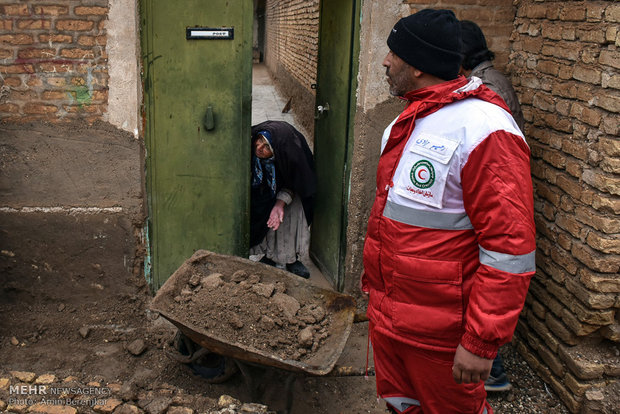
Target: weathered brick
{"type": "Point", "coordinates": [16, 39]}
{"type": "Point", "coordinates": [579, 364]}
{"type": "Point", "coordinates": [15, 10]}
{"type": "Point", "coordinates": [579, 387]}
{"type": "Point", "coordinates": [77, 53]}
{"type": "Point", "coordinates": [591, 35]}
{"type": "Point", "coordinates": [24, 68]}
{"type": "Point", "coordinates": [562, 50]}
{"type": "Point", "coordinates": [584, 74]}
{"type": "Point", "coordinates": [565, 395]}
{"type": "Point", "coordinates": [9, 108]}
{"type": "Point", "coordinates": [33, 24]}
{"type": "Point", "coordinates": [55, 38]}
{"type": "Point", "coordinates": [93, 10]}
{"type": "Point", "coordinates": [604, 244]}
{"type": "Point", "coordinates": [594, 12]}
{"type": "Point", "coordinates": [54, 67]}
{"type": "Point", "coordinates": [610, 58]}
{"type": "Point", "coordinates": [611, 332]}
{"type": "Point", "coordinates": [39, 108]}
{"type": "Point", "coordinates": [52, 10]}
{"type": "Point", "coordinates": [573, 12]}
{"type": "Point", "coordinates": [56, 81]}
{"type": "Point", "coordinates": [6, 54]}
{"type": "Point", "coordinates": [610, 165]}
{"type": "Point", "coordinates": [595, 260]}
{"type": "Point", "coordinates": [13, 81]}
{"type": "Point", "coordinates": [585, 114]}
{"type": "Point", "coordinates": [612, 13]}
{"type": "Point", "coordinates": [551, 360]}
{"type": "Point", "coordinates": [560, 330]}
{"type": "Point", "coordinates": [610, 81]}
{"type": "Point", "coordinates": [36, 53]}
{"type": "Point", "coordinates": [604, 182]}
{"type": "Point", "coordinates": [75, 25]}
{"type": "Point", "coordinates": [55, 95]}
{"type": "Point", "coordinates": [32, 81]}
{"type": "Point", "coordinates": [606, 223]}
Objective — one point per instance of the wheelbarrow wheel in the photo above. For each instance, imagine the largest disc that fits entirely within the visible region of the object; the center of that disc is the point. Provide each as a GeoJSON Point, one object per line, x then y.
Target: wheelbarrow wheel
{"type": "Point", "coordinates": [214, 368]}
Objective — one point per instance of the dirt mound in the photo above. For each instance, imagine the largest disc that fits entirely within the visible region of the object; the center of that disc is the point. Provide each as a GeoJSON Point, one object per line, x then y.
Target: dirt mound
{"type": "Point", "coordinates": [239, 308]}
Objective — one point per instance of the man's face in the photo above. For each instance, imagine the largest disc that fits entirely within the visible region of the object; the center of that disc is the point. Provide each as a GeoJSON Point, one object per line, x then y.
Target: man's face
{"type": "Point", "coordinates": [399, 75]}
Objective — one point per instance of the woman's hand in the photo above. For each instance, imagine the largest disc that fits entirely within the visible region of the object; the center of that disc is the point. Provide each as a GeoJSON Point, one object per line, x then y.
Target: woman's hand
{"type": "Point", "coordinates": [276, 216]}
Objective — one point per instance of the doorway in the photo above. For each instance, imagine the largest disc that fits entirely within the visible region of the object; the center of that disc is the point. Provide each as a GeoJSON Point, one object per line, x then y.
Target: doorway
{"type": "Point", "coordinates": [189, 166]}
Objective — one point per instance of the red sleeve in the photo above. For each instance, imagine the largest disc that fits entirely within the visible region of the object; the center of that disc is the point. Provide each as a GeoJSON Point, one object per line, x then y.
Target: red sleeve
{"type": "Point", "coordinates": [498, 198]}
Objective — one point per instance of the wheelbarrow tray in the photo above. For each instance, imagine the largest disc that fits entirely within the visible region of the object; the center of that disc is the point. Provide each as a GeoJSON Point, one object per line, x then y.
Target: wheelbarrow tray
{"type": "Point", "coordinates": [339, 307]}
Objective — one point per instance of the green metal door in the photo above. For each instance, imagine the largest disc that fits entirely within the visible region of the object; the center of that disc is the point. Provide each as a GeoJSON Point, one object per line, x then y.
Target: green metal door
{"type": "Point", "coordinates": [337, 66]}
{"type": "Point", "coordinates": [197, 73]}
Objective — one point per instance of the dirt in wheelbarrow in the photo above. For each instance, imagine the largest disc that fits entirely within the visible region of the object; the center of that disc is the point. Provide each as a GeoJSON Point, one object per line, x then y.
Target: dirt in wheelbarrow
{"type": "Point", "coordinates": [240, 308]}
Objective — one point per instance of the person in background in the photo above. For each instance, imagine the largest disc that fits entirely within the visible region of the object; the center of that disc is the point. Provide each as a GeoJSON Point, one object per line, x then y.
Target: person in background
{"type": "Point", "coordinates": [282, 196]}
{"type": "Point", "coordinates": [477, 62]}
{"type": "Point", "coordinates": [450, 244]}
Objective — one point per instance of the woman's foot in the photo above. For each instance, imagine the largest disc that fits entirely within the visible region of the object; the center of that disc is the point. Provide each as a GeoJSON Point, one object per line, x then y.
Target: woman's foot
{"type": "Point", "coordinates": [299, 269]}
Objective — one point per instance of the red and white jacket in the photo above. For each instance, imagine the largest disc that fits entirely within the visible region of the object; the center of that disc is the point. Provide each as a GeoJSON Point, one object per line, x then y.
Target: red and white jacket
{"type": "Point", "coordinates": [450, 245]}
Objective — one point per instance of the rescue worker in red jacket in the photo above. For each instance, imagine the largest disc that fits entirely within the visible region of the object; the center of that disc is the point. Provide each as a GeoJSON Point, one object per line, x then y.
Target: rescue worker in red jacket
{"type": "Point", "coordinates": [450, 244]}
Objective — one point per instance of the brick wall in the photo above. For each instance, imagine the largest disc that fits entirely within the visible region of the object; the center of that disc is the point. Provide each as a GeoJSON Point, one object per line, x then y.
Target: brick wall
{"type": "Point", "coordinates": [565, 63]}
{"type": "Point", "coordinates": [291, 48]}
{"type": "Point", "coordinates": [53, 63]}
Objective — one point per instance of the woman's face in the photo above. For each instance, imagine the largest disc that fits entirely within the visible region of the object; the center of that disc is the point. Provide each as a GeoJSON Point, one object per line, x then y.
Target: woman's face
{"type": "Point", "coordinates": [262, 148]}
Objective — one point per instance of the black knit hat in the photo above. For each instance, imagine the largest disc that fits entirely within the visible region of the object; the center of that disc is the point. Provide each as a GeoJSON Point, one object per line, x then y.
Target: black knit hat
{"type": "Point", "coordinates": [429, 40]}
{"type": "Point", "coordinates": [474, 48]}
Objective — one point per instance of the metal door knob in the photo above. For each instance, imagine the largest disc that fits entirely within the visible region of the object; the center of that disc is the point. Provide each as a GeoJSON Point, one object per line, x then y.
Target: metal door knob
{"type": "Point", "coordinates": [321, 109]}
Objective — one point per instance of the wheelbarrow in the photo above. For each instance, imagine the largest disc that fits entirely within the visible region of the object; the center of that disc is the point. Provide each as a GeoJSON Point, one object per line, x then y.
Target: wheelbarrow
{"type": "Point", "coordinates": [196, 342]}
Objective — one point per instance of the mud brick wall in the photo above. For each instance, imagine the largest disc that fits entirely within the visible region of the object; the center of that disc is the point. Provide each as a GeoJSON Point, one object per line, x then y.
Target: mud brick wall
{"type": "Point", "coordinates": [291, 48]}
{"type": "Point", "coordinates": [53, 63]}
{"type": "Point", "coordinates": [565, 63]}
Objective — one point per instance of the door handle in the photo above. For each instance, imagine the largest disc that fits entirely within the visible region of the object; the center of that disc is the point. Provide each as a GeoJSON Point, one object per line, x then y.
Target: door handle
{"type": "Point", "coordinates": [209, 121]}
{"type": "Point", "coordinates": [321, 110]}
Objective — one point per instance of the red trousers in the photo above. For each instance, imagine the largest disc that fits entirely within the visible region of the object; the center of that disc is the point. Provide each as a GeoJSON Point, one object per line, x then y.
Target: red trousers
{"type": "Point", "coordinates": [422, 380]}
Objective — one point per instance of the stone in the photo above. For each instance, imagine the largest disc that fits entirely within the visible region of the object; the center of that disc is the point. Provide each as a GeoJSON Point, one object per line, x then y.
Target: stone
{"type": "Point", "coordinates": [287, 304]}
{"type": "Point", "coordinates": [4, 383]}
{"type": "Point", "coordinates": [84, 331]}
{"type": "Point", "coordinates": [17, 408]}
{"type": "Point", "coordinates": [14, 341]}
{"type": "Point", "coordinates": [108, 406]}
{"type": "Point", "coordinates": [127, 409]}
{"type": "Point", "coordinates": [264, 289]}
{"type": "Point", "coordinates": [305, 337]}
{"type": "Point", "coordinates": [45, 379]}
{"type": "Point", "coordinates": [212, 281]}
{"type": "Point", "coordinates": [52, 409]}
{"type": "Point", "coordinates": [136, 347]}
{"type": "Point", "coordinates": [180, 410]}
{"type": "Point", "coordinates": [157, 405]}
{"type": "Point", "coordinates": [23, 376]}
{"type": "Point", "coordinates": [253, 408]}
{"type": "Point", "coordinates": [227, 401]}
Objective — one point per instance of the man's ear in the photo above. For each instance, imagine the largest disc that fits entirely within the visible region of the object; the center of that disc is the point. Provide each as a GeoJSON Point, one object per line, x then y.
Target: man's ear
{"type": "Point", "coordinates": [416, 72]}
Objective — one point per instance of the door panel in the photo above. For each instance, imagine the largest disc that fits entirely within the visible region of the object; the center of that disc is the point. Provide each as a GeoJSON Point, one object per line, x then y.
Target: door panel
{"type": "Point", "coordinates": [335, 89]}
{"type": "Point", "coordinates": [197, 179]}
